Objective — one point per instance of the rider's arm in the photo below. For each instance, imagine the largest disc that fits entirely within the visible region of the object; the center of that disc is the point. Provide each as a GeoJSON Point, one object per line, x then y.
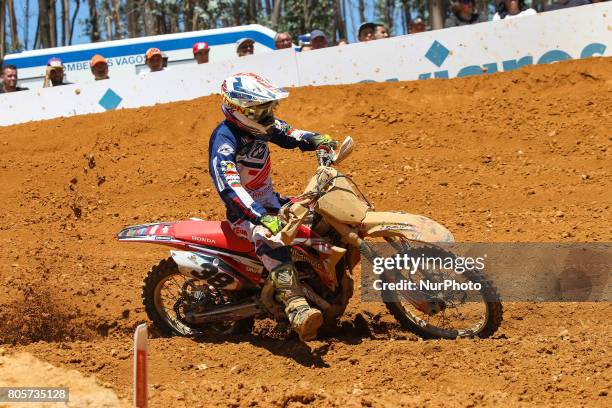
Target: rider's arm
{"type": "Point", "coordinates": [227, 181]}
{"type": "Point", "coordinates": [288, 137]}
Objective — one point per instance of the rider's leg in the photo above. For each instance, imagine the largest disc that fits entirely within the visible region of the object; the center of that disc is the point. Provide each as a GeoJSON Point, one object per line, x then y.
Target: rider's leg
{"type": "Point", "coordinates": [277, 259]}
{"type": "Point", "coordinates": [305, 320]}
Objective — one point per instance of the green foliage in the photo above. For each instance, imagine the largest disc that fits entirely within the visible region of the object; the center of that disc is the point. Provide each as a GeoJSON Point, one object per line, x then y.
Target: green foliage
{"type": "Point", "coordinates": [297, 16]}
{"type": "Point", "coordinates": [303, 16]}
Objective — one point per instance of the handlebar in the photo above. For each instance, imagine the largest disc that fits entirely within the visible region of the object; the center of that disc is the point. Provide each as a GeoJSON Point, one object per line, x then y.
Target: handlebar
{"type": "Point", "coordinates": [325, 157]}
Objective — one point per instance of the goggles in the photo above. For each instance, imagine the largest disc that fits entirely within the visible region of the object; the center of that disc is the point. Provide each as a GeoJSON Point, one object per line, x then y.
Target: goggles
{"type": "Point", "coordinates": [259, 112]}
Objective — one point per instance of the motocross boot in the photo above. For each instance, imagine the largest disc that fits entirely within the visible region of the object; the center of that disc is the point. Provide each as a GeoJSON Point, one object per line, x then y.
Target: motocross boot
{"type": "Point", "coordinates": [303, 319]}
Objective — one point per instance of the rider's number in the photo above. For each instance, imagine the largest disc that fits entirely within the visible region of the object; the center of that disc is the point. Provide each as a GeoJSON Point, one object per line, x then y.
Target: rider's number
{"type": "Point", "coordinates": [214, 277]}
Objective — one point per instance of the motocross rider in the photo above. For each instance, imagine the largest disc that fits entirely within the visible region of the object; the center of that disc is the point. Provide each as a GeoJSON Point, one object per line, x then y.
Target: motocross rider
{"type": "Point", "coordinates": [240, 167]}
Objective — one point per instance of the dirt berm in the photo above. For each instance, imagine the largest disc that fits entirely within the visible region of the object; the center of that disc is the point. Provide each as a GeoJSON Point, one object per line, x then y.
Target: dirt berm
{"type": "Point", "coordinates": [520, 156]}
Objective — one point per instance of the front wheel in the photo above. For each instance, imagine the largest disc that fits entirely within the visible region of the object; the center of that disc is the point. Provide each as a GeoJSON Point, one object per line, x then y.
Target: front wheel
{"type": "Point", "coordinates": [168, 296]}
{"type": "Point", "coordinates": [454, 313]}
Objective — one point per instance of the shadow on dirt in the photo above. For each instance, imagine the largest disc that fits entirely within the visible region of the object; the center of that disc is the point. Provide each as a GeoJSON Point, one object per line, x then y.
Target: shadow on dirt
{"type": "Point", "coordinates": [280, 341]}
{"type": "Point", "coordinates": [38, 317]}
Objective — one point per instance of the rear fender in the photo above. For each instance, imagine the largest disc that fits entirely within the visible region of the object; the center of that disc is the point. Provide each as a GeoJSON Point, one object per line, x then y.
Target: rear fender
{"type": "Point", "coordinates": [410, 226]}
{"type": "Point", "coordinates": [156, 233]}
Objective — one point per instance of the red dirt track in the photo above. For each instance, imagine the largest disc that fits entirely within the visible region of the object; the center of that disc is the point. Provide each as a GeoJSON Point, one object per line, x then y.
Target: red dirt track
{"type": "Point", "coordinates": [520, 156]}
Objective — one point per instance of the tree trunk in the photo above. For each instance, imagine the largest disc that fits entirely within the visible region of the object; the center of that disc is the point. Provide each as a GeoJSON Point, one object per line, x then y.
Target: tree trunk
{"type": "Point", "coordinates": [108, 22]}
{"type": "Point", "coordinates": [406, 14]}
{"type": "Point", "coordinates": [161, 27]}
{"type": "Point", "coordinates": [248, 11]}
{"type": "Point", "coordinates": [2, 28]}
{"type": "Point", "coordinates": [268, 5]}
{"type": "Point", "coordinates": [26, 24]}
{"type": "Point", "coordinates": [437, 14]}
{"type": "Point", "coordinates": [93, 21]}
{"type": "Point", "coordinates": [389, 13]}
{"type": "Point", "coordinates": [133, 12]}
{"type": "Point", "coordinates": [149, 19]}
{"type": "Point", "coordinates": [14, 32]}
{"type": "Point", "coordinates": [276, 14]}
{"type": "Point", "coordinates": [306, 23]}
{"type": "Point", "coordinates": [188, 14]}
{"type": "Point", "coordinates": [344, 8]}
{"type": "Point", "coordinates": [174, 24]}
{"type": "Point", "coordinates": [73, 21]}
{"type": "Point", "coordinates": [44, 30]}
{"type": "Point", "coordinates": [236, 12]}
{"type": "Point", "coordinates": [340, 23]}
{"type": "Point", "coordinates": [53, 23]}
{"type": "Point", "coordinates": [195, 19]}
{"type": "Point", "coordinates": [252, 11]}
{"type": "Point", "coordinates": [64, 17]}
{"type": "Point", "coordinates": [117, 19]}
{"type": "Point", "coordinates": [361, 11]}
{"type": "Point", "coordinates": [37, 35]}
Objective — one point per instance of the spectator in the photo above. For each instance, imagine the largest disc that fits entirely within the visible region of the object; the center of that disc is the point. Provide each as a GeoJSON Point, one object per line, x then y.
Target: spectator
{"type": "Point", "coordinates": [366, 32]}
{"type": "Point", "coordinates": [99, 67]}
{"type": "Point", "coordinates": [561, 4]}
{"type": "Point", "coordinates": [511, 9]}
{"type": "Point", "coordinates": [381, 32]}
{"type": "Point", "coordinates": [154, 60]}
{"type": "Point", "coordinates": [9, 76]}
{"type": "Point", "coordinates": [200, 52]}
{"type": "Point", "coordinates": [245, 46]}
{"type": "Point", "coordinates": [417, 26]}
{"type": "Point", "coordinates": [463, 13]}
{"type": "Point", "coordinates": [165, 60]}
{"type": "Point", "coordinates": [54, 75]}
{"type": "Point", "coordinates": [283, 40]}
{"type": "Point", "coordinates": [304, 42]}
{"type": "Point", "coordinates": [342, 41]}
{"type": "Point", "coordinates": [318, 40]}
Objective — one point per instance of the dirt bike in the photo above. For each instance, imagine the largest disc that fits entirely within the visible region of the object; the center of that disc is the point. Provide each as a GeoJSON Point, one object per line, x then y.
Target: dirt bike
{"type": "Point", "coordinates": [213, 280]}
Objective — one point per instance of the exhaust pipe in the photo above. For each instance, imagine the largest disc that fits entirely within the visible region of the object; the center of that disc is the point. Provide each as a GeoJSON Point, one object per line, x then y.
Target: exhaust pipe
{"type": "Point", "coordinates": [226, 313]}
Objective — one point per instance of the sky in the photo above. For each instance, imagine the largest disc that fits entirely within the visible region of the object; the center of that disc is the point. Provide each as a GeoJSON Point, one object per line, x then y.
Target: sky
{"type": "Point", "coordinates": [352, 22]}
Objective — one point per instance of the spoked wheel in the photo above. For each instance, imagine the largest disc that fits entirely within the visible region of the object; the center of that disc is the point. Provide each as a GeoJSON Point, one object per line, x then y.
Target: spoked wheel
{"type": "Point", "coordinates": [471, 307]}
{"type": "Point", "coordinates": [168, 296]}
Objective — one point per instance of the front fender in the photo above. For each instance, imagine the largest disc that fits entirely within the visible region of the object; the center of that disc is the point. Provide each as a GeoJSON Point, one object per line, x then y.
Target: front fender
{"type": "Point", "coordinates": [411, 226]}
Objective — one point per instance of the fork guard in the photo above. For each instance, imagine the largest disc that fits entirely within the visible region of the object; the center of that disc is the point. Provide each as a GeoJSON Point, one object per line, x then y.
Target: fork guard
{"type": "Point", "coordinates": [410, 226]}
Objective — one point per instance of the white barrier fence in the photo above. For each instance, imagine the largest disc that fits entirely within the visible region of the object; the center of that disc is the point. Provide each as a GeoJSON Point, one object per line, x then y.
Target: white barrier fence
{"type": "Point", "coordinates": [126, 57]}
{"type": "Point", "coordinates": [491, 47]}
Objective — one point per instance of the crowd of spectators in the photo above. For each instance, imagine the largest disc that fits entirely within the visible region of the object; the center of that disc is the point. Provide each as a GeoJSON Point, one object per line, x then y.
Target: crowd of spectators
{"type": "Point", "coordinates": [462, 12]}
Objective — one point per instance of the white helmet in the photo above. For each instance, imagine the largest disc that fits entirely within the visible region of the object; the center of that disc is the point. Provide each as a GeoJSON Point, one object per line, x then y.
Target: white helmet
{"type": "Point", "coordinates": [249, 100]}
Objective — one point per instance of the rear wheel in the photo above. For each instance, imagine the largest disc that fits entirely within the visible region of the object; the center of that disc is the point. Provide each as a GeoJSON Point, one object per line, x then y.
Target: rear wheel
{"type": "Point", "coordinates": [457, 312]}
{"type": "Point", "coordinates": [168, 295]}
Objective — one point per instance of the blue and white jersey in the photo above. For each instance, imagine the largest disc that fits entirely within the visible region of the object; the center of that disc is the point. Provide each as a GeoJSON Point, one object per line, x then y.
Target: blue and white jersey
{"type": "Point", "coordinates": [240, 167]}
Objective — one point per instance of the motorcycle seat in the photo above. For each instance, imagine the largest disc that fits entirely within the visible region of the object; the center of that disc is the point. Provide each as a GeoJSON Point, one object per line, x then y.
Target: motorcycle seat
{"type": "Point", "coordinates": [216, 234]}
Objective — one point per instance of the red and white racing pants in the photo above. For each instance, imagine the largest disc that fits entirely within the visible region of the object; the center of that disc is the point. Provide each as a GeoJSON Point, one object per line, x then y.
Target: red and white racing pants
{"type": "Point", "coordinates": [272, 252]}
